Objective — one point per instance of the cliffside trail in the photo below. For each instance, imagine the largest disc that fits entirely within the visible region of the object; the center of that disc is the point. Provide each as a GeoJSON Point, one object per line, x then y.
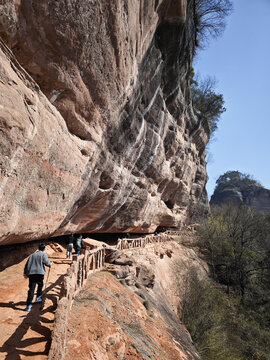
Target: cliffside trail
{"type": "Point", "coordinates": [133, 317]}
{"type": "Point", "coordinates": [28, 334]}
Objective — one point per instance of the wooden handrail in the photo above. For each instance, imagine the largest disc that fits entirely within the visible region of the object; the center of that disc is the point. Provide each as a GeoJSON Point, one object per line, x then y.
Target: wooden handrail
{"type": "Point", "coordinates": [127, 243]}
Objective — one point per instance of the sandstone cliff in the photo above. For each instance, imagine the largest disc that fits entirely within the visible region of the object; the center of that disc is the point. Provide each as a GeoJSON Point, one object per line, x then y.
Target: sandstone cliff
{"type": "Point", "coordinates": [97, 128]}
{"type": "Point", "coordinates": [254, 196]}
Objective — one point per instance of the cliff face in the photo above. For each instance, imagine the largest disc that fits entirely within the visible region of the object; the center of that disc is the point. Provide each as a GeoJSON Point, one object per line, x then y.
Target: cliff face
{"type": "Point", "coordinates": [254, 196]}
{"type": "Point", "coordinates": [104, 139]}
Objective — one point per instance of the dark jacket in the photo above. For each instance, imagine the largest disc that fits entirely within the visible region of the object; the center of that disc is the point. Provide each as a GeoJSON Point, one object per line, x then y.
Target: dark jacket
{"type": "Point", "coordinates": [36, 263]}
{"type": "Point", "coordinates": [71, 239]}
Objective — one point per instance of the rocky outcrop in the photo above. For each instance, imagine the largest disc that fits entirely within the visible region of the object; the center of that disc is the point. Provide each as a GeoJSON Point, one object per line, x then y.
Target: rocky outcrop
{"type": "Point", "coordinates": [254, 196]}
{"type": "Point", "coordinates": [116, 323]}
{"type": "Point", "coordinates": [258, 198]}
{"type": "Point", "coordinates": [97, 128]}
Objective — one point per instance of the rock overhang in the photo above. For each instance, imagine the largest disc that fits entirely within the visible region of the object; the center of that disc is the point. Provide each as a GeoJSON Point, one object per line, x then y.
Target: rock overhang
{"type": "Point", "coordinates": [123, 150]}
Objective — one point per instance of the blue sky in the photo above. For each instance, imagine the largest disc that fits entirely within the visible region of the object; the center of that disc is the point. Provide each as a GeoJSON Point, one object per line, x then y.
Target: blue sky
{"type": "Point", "coordinates": [240, 61]}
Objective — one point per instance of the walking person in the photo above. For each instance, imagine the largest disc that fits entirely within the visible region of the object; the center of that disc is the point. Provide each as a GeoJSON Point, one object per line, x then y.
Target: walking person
{"type": "Point", "coordinates": [79, 244]}
{"type": "Point", "coordinates": [35, 270]}
{"type": "Point", "coordinates": [70, 243]}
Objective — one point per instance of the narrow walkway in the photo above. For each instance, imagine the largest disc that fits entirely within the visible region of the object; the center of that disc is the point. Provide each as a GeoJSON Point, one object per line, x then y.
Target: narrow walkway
{"type": "Point", "coordinates": [28, 334]}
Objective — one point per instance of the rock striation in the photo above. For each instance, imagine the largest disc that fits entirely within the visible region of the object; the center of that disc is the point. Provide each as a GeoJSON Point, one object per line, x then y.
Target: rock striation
{"type": "Point", "coordinates": [97, 128]}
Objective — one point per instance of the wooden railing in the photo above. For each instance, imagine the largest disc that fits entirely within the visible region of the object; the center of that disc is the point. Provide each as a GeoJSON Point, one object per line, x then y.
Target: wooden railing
{"type": "Point", "coordinates": [81, 268]}
{"type": "Point", "coordinates": [76, 276]}
{"type": "Point", "coordinates": [127, 243]}
{"type": "Point", "coordinates": [173, 232]}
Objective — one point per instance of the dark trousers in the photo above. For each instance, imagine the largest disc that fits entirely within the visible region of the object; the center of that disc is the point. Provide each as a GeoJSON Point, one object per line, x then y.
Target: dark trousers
{"type": "Point", "coordinates": [33, 281]}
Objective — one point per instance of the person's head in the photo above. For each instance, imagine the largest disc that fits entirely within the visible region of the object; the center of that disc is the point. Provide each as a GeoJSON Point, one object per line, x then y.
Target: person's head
{"type": "Point", "coordinates": [41, 247]}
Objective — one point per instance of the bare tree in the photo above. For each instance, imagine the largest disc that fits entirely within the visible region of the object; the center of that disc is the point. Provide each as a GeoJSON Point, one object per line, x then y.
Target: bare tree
{"type": "Point", "coordinates": [210, 18]}
{"type": "Point", "coordinates": [206, 101]}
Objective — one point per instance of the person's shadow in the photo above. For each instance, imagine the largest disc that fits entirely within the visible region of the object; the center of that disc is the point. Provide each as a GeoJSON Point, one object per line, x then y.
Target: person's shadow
{"type": "Point", "coordinates": [34, 321]}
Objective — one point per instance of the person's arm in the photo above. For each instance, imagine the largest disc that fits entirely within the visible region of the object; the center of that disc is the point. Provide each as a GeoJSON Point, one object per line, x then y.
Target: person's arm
{"type": "Point", "coordinates": [26, 270]}
{"type": "Point", "coordinates": [46, 260]}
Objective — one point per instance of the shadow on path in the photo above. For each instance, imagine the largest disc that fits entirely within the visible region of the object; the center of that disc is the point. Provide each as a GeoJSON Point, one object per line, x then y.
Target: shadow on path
{"type": "Point", "coordinates": [16, 306]}
{"type": "Point", "coordinates": [15, 346]}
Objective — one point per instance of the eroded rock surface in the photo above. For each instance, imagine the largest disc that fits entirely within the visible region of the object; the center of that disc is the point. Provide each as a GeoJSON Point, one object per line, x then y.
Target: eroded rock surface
{"type": "Point", "coordinates": [104, 139]}
{"type": "Point", "coordinates": [108, 321]}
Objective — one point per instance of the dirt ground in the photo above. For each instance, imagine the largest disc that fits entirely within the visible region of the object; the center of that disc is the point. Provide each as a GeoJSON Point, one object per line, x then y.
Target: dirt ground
{"type": "Point", "coordinates": [28, 334]}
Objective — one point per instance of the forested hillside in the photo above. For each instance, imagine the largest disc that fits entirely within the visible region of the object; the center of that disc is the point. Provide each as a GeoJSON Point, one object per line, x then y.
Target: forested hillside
{"type": "Point", "coordinates": [228, 315]}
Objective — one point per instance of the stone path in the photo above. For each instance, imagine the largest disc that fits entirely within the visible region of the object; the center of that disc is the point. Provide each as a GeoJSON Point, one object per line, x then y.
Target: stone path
{"type": "Point", "coordinates": [28, 334]}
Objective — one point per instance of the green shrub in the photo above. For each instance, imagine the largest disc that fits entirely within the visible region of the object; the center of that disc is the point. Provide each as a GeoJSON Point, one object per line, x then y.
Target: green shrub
{"type": "Point", "coordinates": [221, 326]}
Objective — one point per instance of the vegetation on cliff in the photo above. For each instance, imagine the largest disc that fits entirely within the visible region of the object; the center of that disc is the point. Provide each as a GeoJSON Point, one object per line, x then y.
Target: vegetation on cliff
{"type": "Point", "coordinates": [210, 18]}
{"type": "Point", "coordinates": [228, 316]}
{"type": "Point", "coordinates": [234, 186]}
{"type": "Point", "coordinates": [235, 179]}
{"type": "Point", "coordinates": [206, 101]}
